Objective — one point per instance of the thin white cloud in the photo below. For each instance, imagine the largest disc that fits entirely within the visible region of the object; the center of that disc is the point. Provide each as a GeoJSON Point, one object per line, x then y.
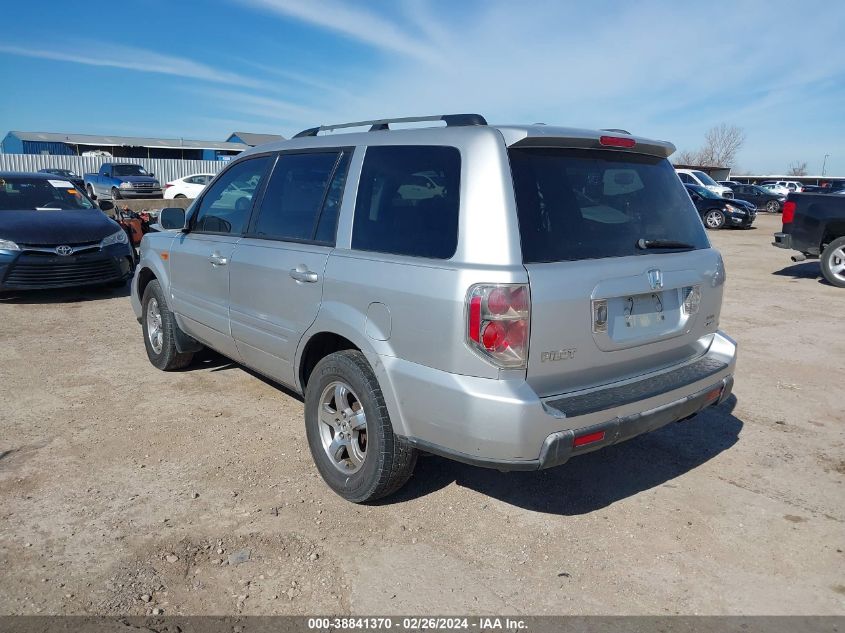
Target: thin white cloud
{"type": "Point", "coordinates": [137, 59]}
{"type": "Point", "coordinates": [353, 22]}
{"type": "Point", "coordinates": [652, 67]}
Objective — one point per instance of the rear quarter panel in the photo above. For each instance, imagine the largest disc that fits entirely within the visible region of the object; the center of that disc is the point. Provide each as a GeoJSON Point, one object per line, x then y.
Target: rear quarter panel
{"type": "Point", "coordinates": [426, 298]}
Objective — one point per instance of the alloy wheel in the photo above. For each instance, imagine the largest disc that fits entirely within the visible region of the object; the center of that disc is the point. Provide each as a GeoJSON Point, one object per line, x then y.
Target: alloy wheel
{"type": "Point", "coordinates": [836, 263]}
{"type": "Point", "coordinates": [155, 334]}
{"type": "Point", "coordinates": [343, 427]}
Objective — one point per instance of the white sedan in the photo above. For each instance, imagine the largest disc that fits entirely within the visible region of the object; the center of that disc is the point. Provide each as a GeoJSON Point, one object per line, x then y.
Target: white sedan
{"type": "Point", "coordinates": [187, 187]}
{"type": "Point", "coordinates": [776, 189]}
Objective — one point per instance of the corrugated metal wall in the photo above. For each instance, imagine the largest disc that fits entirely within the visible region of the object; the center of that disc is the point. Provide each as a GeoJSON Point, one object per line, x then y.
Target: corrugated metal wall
{"type": "Point", "coordinates": [165, 169]}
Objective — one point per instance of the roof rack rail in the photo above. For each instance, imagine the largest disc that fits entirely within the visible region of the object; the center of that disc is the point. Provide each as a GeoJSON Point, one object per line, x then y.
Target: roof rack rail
{"type": "Point", "coordinates": [384, 124]}
{"type": "Point", "coordinates": [615, 129]}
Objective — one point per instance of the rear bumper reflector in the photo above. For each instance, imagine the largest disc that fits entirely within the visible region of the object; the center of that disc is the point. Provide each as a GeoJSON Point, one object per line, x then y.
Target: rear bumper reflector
{"type": "Point", "coordinates": [598, 436]}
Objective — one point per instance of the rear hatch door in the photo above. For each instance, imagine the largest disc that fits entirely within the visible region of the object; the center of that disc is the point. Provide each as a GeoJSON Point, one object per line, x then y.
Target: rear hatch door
{"type": "Point", "coordinates": [623, 280]}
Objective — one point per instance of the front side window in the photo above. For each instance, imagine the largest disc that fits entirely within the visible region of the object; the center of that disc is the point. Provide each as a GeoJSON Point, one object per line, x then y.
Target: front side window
{"type": "Point", "coordinates": [290, 208]}
{"type": "Point", "coordinates": [408, 201]}
{"type": "Point", "coordinates": [577, 204]}
{"type": "Point", "coordinates": [226, 206]}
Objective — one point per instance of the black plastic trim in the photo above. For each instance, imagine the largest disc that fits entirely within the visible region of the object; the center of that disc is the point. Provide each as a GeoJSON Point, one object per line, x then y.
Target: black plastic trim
{"type": "Point", "coordinates": [612, 397]}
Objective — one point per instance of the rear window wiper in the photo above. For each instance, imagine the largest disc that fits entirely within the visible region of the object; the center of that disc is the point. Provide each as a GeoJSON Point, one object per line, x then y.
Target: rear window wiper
{"type": "Point", "coordinates": [645, 244]}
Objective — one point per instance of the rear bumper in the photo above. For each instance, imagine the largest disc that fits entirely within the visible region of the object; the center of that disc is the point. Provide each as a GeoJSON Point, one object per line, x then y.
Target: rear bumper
{"type": "Point", "coordinates": [503, 424]}
{"type": "Point", "coordinates": [783, 240]}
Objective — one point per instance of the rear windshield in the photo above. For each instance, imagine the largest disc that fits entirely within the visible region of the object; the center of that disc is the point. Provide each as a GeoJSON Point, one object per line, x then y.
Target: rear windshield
{"type": "Point", "coordinates": [587, 204]}
{"type": "Point", "coordinates": [21, 194]}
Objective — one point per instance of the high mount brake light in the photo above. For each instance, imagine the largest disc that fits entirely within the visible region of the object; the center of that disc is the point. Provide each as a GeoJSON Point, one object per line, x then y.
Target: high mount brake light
{"type": "Point", "coordinates": [498, 318]}
{"type": "Point", "coordinates": [617, 141]}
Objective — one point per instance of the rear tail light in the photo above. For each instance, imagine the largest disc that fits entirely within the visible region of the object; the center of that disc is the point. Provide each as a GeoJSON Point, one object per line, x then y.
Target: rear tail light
{"type": "Point", "coordinates": [617, 141]}
{"type": "Point", "coordinates": [169, 184]}
{"type": "Point", "coordinates": [788, 211]}
{"type": "Point", "coordinates": [498, 318]}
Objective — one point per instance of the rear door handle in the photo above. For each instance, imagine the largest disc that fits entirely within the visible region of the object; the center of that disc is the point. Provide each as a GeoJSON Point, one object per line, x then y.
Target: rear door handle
{"type": "Point", "coordinates": [217, 260]}
{"type": "Point", "coordinates": [304, 275]}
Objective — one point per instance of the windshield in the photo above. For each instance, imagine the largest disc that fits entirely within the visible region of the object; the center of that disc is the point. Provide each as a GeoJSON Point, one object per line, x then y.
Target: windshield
{"type": "Point", "coordinates": [705, 179]}
{"type": "Point", "coordinates": [704, 192]}
{"type": "Point", "coordinates": [129, 170]}
{"type": "Point", "coordinates": [585, 204]}
{"type": "Point", "coordinates": [18, 194]}
{"type": "Point", "coordinates": [67, 173]}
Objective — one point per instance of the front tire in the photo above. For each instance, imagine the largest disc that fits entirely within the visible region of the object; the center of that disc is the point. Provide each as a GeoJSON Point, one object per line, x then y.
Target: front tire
{"type": "Point", "coordinates": [833, 262]}
{"type": "Point", "coordinates": [159, 328]}
{"type": "Point", "coordinates": [714, 219]}
{"type": "Point", "coordinates": [349, 430]}
{"type": "Point", "coordinates": [115, 194]}
{"type": "Point", "coordinates": [773, 206]}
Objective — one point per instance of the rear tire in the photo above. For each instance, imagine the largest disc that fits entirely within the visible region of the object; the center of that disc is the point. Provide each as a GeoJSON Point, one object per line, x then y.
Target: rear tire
{"type": "Point", "coordinates": [180, 195]}
{"type": "Point", "coordinates": [343, 406]}
{"type": "Point", "coordinates": [833, 262]}
{"type": "Point", "coordinates": [714, 219]}
{"type": "Point", "coordinates": [159, 328]}
{"type": "Point", "coordinates": [91, 193]}
{"type": "Point", "coordinates": [773, 206]}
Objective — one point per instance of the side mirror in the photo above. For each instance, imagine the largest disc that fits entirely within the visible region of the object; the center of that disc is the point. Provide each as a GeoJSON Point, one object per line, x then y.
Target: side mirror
{"type": "Point", "coordinates": [105, 205]}
{"type": "Point", "coordinates": [172, 218]}
{"type": "Point", "coordinates": [152, 174]}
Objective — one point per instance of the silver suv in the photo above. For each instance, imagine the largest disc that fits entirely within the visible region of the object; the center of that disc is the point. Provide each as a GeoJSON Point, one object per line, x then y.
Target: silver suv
{"type": "Point", "coordinates": [506, 296]}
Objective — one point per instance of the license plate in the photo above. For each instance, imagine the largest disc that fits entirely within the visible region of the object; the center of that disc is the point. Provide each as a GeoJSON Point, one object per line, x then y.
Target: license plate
{"type": "Point", "coordinates": [643, 311]}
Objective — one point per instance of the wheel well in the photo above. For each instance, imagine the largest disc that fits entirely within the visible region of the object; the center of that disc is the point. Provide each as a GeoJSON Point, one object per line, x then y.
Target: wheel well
{"type": "Point", "coordinates": [145, 276]}
{"type": "Point", "coordinates": [832, 231]}
{"type": "Point", "coordinates": [318, 347]}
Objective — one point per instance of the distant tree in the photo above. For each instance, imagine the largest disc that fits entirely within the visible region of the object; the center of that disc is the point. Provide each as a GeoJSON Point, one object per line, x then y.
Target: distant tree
{"type": "Point", "coordinates": [721, 145]}
{"type": "Point", "coordinates": [797, 169]}
{"type": "Point", "coordinates": [686, 157]}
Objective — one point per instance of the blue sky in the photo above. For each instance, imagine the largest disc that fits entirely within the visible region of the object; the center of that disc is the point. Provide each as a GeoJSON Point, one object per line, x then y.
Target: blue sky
{"type": "Point", "coordinates": [663, 69]}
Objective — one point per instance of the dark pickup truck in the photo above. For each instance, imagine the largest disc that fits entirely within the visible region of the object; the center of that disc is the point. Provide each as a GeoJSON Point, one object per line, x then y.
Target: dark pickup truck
{"type": "Point", "coordinates": [814, 225]}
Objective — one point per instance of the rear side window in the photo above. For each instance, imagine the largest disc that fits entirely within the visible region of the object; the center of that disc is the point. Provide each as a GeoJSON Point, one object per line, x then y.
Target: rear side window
{"type": "Point", "coordinates": [408, 201]}
{"type": "Point", "coordinates": [588, 204]}
{"type": "Point", "coordinates": [290, 208]}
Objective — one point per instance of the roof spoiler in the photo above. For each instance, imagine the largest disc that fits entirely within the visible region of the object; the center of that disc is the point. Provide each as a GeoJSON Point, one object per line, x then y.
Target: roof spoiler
{"type": "Point", "coordinates": [451, 120]}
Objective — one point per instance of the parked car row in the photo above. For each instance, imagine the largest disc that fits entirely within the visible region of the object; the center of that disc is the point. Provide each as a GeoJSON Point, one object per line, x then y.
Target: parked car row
{"type": "Point", "coordinates": [117, 181]}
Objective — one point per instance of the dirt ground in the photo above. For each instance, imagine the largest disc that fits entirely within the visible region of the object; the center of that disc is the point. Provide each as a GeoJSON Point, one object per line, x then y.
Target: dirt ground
{"type": "Point", "coordinates": [124, 489]}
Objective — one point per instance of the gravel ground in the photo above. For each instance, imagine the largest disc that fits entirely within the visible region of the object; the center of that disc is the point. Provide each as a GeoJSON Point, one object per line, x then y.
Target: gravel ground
{"type": "Point", "coordinates": [125, 490]}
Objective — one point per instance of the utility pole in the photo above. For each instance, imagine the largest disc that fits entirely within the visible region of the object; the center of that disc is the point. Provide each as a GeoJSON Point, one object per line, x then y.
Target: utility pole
{"type": "Point", "coordinates": [824, 164]}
